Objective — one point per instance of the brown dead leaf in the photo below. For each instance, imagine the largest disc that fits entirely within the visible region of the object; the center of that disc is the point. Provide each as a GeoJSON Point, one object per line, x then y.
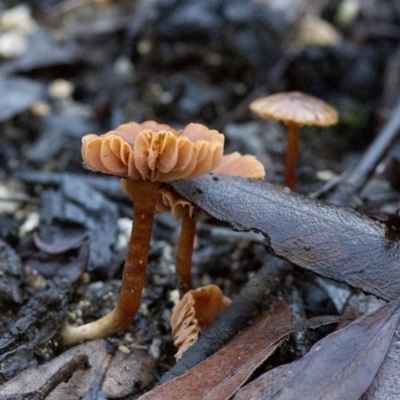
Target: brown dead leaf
{"type": "Point", "coordinates": [340, 366]}
{"type": "Point", "coordinates": [219, 376]}
{"type": "Point", "coordinates": [335, 242]}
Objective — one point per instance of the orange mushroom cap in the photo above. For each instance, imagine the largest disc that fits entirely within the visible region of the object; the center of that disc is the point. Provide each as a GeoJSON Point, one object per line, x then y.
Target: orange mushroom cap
{"type": "Point", "coordinates": [234, 164]}
{"type": "Point", "coordinates": [155, 152]}
{"type": "Point", "coordinates": [296, 107]}
{"type": "Point", "coordinates": [244, 166]}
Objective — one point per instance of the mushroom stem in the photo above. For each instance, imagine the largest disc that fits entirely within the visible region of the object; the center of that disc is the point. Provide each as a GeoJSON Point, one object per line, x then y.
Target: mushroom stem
{"type": "Point", "coordinates": [291, 155]}
{"type": "Point", "coordinates": [184, 254]}
{"type": "Point", "coordinates": [144, 195]}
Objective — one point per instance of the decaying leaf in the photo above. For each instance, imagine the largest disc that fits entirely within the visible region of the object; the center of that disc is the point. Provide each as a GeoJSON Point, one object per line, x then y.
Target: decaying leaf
{"type": "Point", "coordinates": [386, 384]}
{"type": "Point", "coordinates": [221, 374]}
{"type": "Point", "coordinates": [335, 242]}
{"type": "Point", "coordinates": [123, 370]}
{"type": "Point", "coordinates": [63, 374]}
{"type": "Point", "coordinates": [340, 366]}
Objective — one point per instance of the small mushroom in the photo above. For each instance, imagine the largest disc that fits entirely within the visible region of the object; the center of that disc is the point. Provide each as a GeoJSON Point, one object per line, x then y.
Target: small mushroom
{"type": "Point", "coordinates": [294, 109]}
{"type": "Point", "coordinates": [144, 155]}
{"type": "Point", "coordinates": [234, 164]}
{"type": "Point", "coordinates": [196, 312]}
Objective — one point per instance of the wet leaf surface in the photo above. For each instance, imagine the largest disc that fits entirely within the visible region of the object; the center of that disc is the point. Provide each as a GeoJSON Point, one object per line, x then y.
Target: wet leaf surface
{"type": "Point", "coordinates": [335, 242]}
{"type": "Point", "coordinates": [340, 366]}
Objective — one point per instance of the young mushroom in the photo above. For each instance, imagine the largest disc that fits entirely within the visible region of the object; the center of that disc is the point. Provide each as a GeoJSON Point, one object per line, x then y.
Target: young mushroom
{"type": "Point", "coordinates": [294, 109]}
{"type": "Point", "coordinates": [234, 164]}
{"type": "Point", "coordinates": [195, 312]}
{"type": "Point", "coordinates": [143, 155]}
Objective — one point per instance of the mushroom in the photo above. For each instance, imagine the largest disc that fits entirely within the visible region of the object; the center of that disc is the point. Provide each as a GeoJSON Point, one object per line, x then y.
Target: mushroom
{"type": "Point", "coordinates": [234, 164]}
{"type": "Point", "coordinates": [194, 313]}
{"type": "Point", "coordinates": [294, 109]}
{"type": "Point", "coordinates": [143, 155]}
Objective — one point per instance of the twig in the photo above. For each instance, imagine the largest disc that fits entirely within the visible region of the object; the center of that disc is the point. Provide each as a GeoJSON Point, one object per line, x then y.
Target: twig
{"type": "Point", "coordinates": [345, 193]}
{"type": "Point", "coordinates": [80, 361]}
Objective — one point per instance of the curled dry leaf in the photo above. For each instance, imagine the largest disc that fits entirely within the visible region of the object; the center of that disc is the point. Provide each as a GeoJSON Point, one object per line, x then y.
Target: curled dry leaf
{"type": "Point", "coordinates": [196, 311]}
{"type": "Point", "coordinates": [155, 152]}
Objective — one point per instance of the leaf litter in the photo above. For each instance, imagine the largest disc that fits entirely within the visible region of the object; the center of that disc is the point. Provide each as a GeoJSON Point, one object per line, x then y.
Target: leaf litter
{"type": "Point", "coordinates": [340, 366]}
{"type": "Point", "coordinates": [220, 375]}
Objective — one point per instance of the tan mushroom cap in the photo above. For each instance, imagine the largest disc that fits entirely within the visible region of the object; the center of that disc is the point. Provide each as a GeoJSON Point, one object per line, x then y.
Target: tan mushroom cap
{"type": "Point", "coordinates": [244, 166]}
{"type": "Point", "coordinates": [155, 152]}
{"type": "Point", "coordinates": [234, 164]}
{"type": "Point", "coordinates": [296, 107]}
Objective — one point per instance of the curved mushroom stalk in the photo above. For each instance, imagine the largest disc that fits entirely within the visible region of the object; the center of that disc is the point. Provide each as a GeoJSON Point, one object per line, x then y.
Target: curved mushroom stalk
{"type": "Point", "coordinates": [144, 196]}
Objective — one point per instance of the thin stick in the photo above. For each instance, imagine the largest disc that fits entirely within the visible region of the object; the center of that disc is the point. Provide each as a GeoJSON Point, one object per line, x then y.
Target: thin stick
{"type": "Point", "coordinates": [356, 179]}
{"type": "Point", "coordinates": [80, 361]}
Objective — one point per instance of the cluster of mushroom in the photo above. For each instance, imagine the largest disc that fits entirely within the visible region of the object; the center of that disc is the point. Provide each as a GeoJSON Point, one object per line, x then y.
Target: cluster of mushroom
{"type": "Point", "coordinates": [145, 156]}
{"type": "Point", "coordinates": [150, 154]}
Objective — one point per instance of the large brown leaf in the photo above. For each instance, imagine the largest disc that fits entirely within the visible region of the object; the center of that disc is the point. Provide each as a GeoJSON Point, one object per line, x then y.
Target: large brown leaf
{"type": "Point", "coordinates": [340, 366]}
{"type": "Point", "coordinates": [335, 242]}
